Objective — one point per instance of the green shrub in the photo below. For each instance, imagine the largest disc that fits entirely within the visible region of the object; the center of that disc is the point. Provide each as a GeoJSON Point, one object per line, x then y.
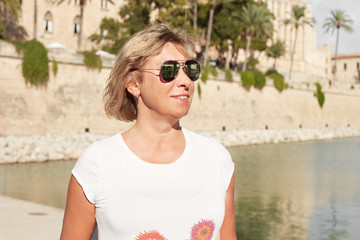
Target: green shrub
{"type": "Point", "coordinates": [35, 65]}
{"type": "Point", "coordinates": [247, 79]}
{"type": "Point", "coordinates": [213, 71]}
{"type": "Point", "coordinates": [199, 89]}
{"type": "Point", "coordinates": [260, 80]}
{"type": "Point", "coordinates": [270, 71]}
{"type": "Point", "coordinates": [278, 79]}
{"type": "Point", "coordinates": [205, 75]}
{"type": "Point", "coordinates": [54, 67]}
{"type": "Point", "coordinates": [228, 75]}
{"type": "Point", "coordinates": [319, 94]}
{"type": "Point", "coordinates": [352, 87]}
{"type": "Point", "coordinates": [19, 46]}
{"type": "Point", "coordinates": [2, 30]}
{"type": "Point", "coordinates": [91, 60]}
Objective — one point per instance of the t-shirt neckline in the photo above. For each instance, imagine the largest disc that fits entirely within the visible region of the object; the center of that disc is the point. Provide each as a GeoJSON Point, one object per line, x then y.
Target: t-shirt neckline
{"type": "Point", "coordinates": [141, 161]}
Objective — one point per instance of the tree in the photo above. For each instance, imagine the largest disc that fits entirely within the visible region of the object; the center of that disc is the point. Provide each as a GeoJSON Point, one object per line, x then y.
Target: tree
{"type": "Point", "coordinates": [195, 9]}
{"type": "Point", "coordinates": [276, 50]}
{"type": "Point", "coordinates": [135, 17]}
{"type": "Point", "coordinates": [35, 19]}
{"type": "Point", "coordinates": [13, 6]}
{"type": "Point", "coordinates": [82, 5]}
{"type": "Point", "coordinates": [9, 28]}
{"type": "Point", "coordinates": [339, 19]}
{"type": "Point", "coordinates": [297, 20]}
{"type": "Point", "coordinates": [257, 21]}
{"type": "Point", "coordinates": [209, 29]}
{"type": "Point", "coordinates": [226, 31]}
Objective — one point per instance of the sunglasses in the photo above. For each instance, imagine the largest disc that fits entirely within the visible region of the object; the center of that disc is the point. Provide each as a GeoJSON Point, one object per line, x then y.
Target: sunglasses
{"type": "Point", "coordinates": [170, 69]}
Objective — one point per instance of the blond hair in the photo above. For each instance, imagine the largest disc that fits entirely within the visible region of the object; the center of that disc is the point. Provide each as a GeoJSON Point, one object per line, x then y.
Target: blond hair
{"type": "Point", "coordinates": [119, 103]}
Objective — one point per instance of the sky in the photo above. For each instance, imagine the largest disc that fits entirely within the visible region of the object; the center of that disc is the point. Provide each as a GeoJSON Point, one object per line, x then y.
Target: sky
{"type": "Point", "coordinates": [348, 42]}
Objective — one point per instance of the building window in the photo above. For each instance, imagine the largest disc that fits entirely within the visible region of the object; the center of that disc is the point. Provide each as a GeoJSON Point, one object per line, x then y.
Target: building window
{"type": "Point", "coordinates": [77, 25]}
{"type": "Point", "coordinates": [345, 66]}
{"type": "Point", "coordinates": [104, 4]}
{"type": "Point", "coordinates": [358, 66]}
{"type": "Point", "coordinates": [48, 22]}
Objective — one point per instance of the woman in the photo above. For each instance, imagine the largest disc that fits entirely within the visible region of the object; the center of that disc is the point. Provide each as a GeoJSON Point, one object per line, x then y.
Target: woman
{"type": "Point", "coordinates": [155, 180]}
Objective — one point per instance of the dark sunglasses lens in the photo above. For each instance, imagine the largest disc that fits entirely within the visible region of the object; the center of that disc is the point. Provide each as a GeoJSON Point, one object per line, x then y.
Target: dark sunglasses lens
{"type": "Point", "coordinates": [192, 69]}
{"type": "Point", "coordinates": [169, 70]}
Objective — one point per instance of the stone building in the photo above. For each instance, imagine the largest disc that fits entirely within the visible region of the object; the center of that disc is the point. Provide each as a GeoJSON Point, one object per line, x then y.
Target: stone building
{"type": "Point", "coordinates": [311, 63]}
{"type": "Point", "coordinates": [50, 22]}
{"type": "Point", "coordinates": [53, 23]}
{"type": "Point", "coordinates": [348, 69]}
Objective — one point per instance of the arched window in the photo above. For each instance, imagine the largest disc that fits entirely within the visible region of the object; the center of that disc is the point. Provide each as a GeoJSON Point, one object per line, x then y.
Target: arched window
{"type": "Point", "coordinates": [104, 4]}
{"type": "Point", "coordinates": [77, 25]}
{"type": "Point", "coordinates": [48, 22]}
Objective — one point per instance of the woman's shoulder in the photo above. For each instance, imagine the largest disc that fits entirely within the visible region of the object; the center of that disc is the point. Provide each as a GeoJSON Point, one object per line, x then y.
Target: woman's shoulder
{"type": "Point", "coordinates": [198, 138]}
{"type": "Point", "coordinates": [104, 144]}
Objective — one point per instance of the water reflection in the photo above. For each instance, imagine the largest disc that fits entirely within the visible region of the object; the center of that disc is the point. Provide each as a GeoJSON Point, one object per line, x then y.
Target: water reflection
{"type": "Point", "coordinates": [274, 194]}
{"type": "Point", "coordinates": [286, 191]}
{"type": "Point", "coordinates": [298, 191]}
{"type": "Point", "coordinates": [44, 183]}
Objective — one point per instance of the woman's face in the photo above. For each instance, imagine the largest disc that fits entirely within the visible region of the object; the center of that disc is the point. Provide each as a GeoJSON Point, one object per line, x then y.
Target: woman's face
{"type": "Point", "coordinates": [165, 99]}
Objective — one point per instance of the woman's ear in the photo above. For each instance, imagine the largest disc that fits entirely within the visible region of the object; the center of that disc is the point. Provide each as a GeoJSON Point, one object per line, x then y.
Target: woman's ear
{"type": "Point", "coordinates": [133, 86]}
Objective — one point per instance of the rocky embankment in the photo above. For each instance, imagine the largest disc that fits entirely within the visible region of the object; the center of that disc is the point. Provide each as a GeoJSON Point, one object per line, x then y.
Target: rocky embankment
{"type": "Point", "coordinates": [40, 148]}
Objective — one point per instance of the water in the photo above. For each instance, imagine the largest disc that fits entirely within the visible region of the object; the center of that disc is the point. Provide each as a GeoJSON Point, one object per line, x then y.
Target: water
{"type": "Point", "coordinates": [308, 190]}
{"type": "Point", "coordinates": [44, 183]}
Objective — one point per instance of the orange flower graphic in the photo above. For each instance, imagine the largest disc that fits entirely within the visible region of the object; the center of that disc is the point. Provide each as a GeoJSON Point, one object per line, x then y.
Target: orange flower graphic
{"type": "Point", "coordinates": [203, 230]}
{"type": "Point", "coordinates": [151, 235]}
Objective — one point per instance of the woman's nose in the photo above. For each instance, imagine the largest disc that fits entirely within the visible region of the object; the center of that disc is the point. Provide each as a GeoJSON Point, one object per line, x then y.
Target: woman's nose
{"type": "Point", "coordinates": [182, 78]}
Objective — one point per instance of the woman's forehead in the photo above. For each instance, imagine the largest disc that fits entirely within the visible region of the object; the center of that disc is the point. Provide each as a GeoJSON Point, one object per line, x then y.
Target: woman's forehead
{"type": "Point", "coordinates": [169, 51]}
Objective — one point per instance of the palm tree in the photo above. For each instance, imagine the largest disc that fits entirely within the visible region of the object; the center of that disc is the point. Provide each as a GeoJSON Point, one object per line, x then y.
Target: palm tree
{"type": "Point", "coordinates": [195, 9]}
{"type": "Point", "coordinates": [35, 18]}
{"type": "Point", "coordinates": [276, 50]}
{"type": "Point", "coordinates": [297, 20]}
{"type": "Point", "coordinates": [209, 29]}
{"type": "Point", "coordinates": [337, 20]}
{"type": "Point", "coordinates": [10, 5]}
{"type": "Point", "coordinates": [257, 21]}
{"type": "Point", "coordinates": [82, 6]}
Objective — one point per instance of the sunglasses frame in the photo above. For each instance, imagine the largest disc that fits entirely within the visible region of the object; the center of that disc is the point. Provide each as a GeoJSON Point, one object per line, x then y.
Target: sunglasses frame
{"type": "Point", "coordinates": [174, 63]}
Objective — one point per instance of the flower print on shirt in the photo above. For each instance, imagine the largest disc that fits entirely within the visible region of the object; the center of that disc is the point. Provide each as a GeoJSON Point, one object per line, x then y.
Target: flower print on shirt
{"type": "Point", "coordinates": [151, 235]}
{"type": "Point", "coordinates": [203, 230]}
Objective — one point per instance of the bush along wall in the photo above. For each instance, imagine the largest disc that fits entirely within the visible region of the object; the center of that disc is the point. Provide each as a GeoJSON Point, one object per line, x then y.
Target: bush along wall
{"type": "Point", "coordinates": [91, 60]}
{"type": "Point", "coordinates": [319, 95]}
{"type": "Point", "coordinates": [260, 80]}
{"type": "Point", "coordinates": [54, 67]}
{"type": "Point", "coordinates": [35, 65]}
{"type": "Point", "coordinates": [247, 79]}
{"type": "Point", "coordinates": [278, 79]}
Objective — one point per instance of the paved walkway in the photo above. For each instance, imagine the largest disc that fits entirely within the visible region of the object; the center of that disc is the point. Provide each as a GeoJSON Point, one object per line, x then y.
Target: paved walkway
{"type": "Point", "coordinates": [21, 220]}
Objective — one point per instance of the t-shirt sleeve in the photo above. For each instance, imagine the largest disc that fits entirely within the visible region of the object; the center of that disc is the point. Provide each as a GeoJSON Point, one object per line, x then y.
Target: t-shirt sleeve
{"type": "Point", "coordinates": [86, 171]}
{"type": "Point", "coordinates": [228, 166]}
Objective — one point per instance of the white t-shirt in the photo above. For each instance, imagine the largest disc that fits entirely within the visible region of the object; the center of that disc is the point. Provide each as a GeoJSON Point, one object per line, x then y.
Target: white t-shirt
{"type": "Point", "coordinates": [135, 199]}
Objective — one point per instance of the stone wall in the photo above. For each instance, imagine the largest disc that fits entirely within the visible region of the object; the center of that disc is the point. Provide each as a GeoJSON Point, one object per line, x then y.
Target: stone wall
{"type": "Point", "coordinates": [72, 102]}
